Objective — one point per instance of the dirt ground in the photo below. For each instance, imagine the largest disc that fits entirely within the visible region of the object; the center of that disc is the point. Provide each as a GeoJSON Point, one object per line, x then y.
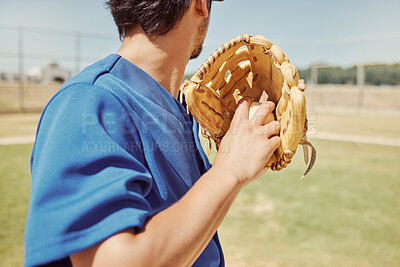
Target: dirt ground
{"type": "Point", "coordinates": [336, 98]}
{"type": "Point", "coordinates": [26, 97]}
{"type": "Point", "coordinates": [381, 99]}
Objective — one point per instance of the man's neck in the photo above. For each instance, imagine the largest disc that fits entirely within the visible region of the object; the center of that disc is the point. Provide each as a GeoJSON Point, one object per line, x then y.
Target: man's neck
{"type": "Point", "coordinates": [164, 57]}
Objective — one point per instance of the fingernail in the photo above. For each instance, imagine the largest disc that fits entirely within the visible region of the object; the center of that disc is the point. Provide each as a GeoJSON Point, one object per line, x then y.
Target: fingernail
{"type": "Point", "coordinates": [272, 103]}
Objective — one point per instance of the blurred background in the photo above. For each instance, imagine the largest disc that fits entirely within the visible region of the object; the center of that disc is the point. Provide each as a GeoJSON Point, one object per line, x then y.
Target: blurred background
{"type": "Point", "coordinates": [346, 212]}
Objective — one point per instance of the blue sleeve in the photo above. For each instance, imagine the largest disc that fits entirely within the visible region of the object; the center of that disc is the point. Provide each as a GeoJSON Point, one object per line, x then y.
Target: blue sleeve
{"type": "Point", "coordinates": [89, 176]}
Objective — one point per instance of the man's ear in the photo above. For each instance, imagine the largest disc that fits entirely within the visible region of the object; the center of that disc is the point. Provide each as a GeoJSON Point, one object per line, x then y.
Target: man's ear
{"type": "Point", "coordinates": [202, 7]}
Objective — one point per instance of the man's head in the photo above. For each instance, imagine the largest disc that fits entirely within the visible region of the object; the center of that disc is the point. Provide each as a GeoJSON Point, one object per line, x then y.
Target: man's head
{"type": "Point", "coordinates": [156, 17]}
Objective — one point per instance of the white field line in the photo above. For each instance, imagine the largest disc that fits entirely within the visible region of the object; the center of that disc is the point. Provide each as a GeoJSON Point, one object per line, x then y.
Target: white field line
{"type": "Point", "coordinates": [320, 135]}
{"type": "Point", "coordinates": [375, 140]}
{"type": "Point", "coordinates": [17, 140]}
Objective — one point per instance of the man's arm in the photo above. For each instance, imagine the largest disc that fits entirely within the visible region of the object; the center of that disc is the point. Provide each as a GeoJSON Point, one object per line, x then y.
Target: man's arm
{"type": "Point", "coordinates": [178, 235]}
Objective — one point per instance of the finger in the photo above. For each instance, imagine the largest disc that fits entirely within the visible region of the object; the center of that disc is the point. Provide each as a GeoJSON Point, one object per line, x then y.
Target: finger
{"type": "Point", "coordinates": [272, 128]}
{"type": "Point", "coordinates": [265, 108]}
{"type": "Point", "coordinates": [274, 142]}
{"type": "Point", "coordinates": [263, 113]}
{"type": "Point", "coordinates": [242, 110]}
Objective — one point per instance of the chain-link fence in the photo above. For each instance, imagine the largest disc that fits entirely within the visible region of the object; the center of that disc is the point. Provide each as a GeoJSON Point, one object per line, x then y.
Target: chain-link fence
{"type": "Point", "coordinates": [35, 61]}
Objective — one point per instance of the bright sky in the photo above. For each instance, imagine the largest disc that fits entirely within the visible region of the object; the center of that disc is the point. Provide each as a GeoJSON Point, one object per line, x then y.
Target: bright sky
{"type": "Point", "coordinates": [308, 31]}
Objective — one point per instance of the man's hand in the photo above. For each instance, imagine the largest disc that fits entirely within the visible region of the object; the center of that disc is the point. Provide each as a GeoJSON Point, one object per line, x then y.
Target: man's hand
{"type": "Point", "coordinates": [248, 144]}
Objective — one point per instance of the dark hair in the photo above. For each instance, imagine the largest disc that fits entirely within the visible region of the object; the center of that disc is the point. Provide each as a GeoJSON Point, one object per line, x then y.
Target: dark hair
{"type": "Point", "coordinates": [154, 16]}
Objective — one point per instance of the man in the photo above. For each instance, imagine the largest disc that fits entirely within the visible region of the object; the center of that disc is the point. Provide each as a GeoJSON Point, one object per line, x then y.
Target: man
{"type": "Point", "coordinates": [118, 175]}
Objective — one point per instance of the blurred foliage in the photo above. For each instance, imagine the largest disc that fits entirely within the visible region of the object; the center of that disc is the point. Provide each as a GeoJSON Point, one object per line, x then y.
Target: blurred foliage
{"type": "Point", "coordinates": [377, 74]}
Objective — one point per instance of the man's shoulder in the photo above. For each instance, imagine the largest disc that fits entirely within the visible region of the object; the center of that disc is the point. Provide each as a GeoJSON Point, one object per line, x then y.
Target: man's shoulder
{"type": "Point", "coordinates": [89, 75]}
{"type": "Point", "coordinates": [95, 82]}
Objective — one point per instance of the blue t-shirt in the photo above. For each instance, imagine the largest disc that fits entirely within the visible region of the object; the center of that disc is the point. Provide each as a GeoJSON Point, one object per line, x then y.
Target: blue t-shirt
{"type": "Point", "coordinates": [112, 149]}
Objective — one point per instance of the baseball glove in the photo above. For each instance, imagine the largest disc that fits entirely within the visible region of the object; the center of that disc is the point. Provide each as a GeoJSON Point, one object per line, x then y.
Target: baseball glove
{"type": "Point", "coordinates": [251, 66]}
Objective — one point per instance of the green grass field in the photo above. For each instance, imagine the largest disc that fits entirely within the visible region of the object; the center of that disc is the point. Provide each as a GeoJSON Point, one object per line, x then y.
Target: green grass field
{"type": "Point", "coordinates": [346, 212]}
{"type": "Point", "coordinates": [14, 199]}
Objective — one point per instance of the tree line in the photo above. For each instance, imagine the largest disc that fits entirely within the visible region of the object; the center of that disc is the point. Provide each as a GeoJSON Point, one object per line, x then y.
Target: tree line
{"type": "Point", "coordinates": [376, 74]}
